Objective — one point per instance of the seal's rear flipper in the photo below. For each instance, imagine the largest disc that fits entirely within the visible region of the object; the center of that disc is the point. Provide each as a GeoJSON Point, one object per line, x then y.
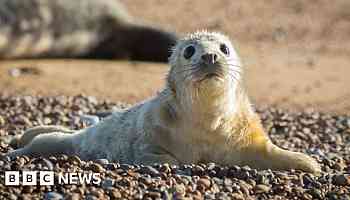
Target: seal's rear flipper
{"type": "Point", "coordinates": [27, 137]}
{"type": "Point", "coordinates": [49, 144]}
{"type": "Point", "coordinates": [135, 42]}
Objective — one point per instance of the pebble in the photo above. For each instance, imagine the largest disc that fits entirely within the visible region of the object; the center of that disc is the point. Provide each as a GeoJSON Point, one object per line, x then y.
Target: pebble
{"type": "Point", "coordinates": [53, 196]}
{"type": "Point", "coordinates": [12, 197]}
{"type": "Point", "coordinates": [96, 168]}
{"type": "Point", "coordinates": [315, 193]}
{"type": "Point", "coordinates": [237, 196]}
{"type": "Point", "coordinates": [111, 166]}
{"type": "Point", "coordinates": [107, 183]}
{"type": "Point", "coordinates": [180, 188]}
{"type": "Point", "coordinates": [154, 195]}
{"type": "Point", "coordinates": [75, 159]}
{"type": "Point", "coordinates": [261, 189]}
{"type": "Point", "coordinates": [74, 196]}
{"type": "Point", "coordinates": [116, 194]}
{"type": "Point", "coordinates": [204, 182]}
{"type": "Point", "coordinates": [149, 170]}
{"type": "Point", "coordinates": [47, 164]}
{"type": "Point", "coordinates": [341, 180]}
{"type": "Point", "coordinates": [165, 168]}
{"type": "Point", "coordinates": [339, 166]}
{"type": "Point", "coordinates": [102, 161]}
{"type": "Point", "coordinates": [91, 197]}
{"type": "Point", "coordinates": [244, 187]}
{"type": "Point", "coordinates": [125, 167]}
{"type": "Point", "coordinates": [2, 121]}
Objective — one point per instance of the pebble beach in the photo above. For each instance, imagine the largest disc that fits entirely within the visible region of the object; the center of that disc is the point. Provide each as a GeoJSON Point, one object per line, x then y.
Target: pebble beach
{"type": "Point", "coordinates": [325, 137]}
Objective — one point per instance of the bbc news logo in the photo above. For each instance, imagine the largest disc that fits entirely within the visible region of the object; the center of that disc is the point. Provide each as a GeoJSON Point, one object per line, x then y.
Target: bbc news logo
{"type": "Point", "coordinates": [14, 178]}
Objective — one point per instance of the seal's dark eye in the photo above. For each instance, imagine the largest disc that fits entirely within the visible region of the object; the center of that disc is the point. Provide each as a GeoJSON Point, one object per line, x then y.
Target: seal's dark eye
{"type": "Point", "coordinates": [224, 49]}
{"type": "Point", "coordinates": [189, 51]}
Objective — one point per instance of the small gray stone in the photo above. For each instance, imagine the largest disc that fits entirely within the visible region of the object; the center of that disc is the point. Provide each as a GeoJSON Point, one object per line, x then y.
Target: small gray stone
{"type": "Point", "coordinates": [107, 183]}
{"type": "Point", "coordinates": [149, 170]}
{"type": "Point", "coordinates": [341, 180]}
{"type": "Point", "coordinates": [53, 196]}
{"type": "Point", "coordinates": [102, 161]}
{"type": "Point", "coordinates": [91, 197]}
{"type": "Point", "coordinates": [316, 193]}
{"type": "Point", "coordinates": [126, 166]}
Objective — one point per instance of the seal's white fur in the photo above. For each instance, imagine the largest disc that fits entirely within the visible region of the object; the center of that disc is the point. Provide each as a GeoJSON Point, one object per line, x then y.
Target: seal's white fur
{"type": "Point", "coordinates": [194, 119]}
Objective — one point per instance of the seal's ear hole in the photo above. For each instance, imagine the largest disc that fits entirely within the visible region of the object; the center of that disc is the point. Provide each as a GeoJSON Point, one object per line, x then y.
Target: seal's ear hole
{"type": "Point", "coordinates": [224, 49]}
{"type": "Point", "coordinates": [189, 52]}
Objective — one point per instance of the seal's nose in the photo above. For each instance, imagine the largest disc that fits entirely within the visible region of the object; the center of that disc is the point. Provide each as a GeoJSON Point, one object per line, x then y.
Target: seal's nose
{"type": "Point", "coordinates": [209, 58]}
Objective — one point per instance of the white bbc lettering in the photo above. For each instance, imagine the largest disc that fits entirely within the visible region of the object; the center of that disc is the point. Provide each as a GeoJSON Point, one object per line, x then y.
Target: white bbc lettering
{"type": "Point", "coordinates": [73, 178]}
{"type": "Point", "coordinates": [63, 178]}
{"type": "Point", "coordinates": [12, 178]}
{"type": "Point", "coordinates": [29, 177]}
{"type": "Point", "coordinates": [47, 178]}
{"type": "Point", "coordinates": [85, 178]}
{"type": "Point", "coordinates": [97, 178]}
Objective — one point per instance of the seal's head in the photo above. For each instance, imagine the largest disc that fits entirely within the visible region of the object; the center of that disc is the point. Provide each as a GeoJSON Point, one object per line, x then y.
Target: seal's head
{"type": "Point", "coordinates": [204, 67]}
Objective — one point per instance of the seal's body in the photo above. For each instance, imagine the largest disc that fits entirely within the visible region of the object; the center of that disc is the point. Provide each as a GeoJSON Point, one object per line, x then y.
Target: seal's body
{"type": "Point", "coordinates": [77, 29]}
{"type": "Point", "coordinates": [202, 115]}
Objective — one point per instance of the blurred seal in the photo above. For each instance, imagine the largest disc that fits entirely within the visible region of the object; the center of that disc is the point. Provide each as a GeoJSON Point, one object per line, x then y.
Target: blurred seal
{"type": "Point", "coordinates": [98, 29]}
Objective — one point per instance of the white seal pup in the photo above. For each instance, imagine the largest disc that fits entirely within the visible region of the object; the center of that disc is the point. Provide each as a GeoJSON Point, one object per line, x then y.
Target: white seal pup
{"type": "Point", "coordinates": [78, 29]}
{"type": "Point", "coordinates": [202, 115]}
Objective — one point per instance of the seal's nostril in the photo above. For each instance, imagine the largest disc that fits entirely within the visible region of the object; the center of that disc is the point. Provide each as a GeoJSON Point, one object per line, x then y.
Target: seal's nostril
{"type": "Point", "coordinates": [209, 58]}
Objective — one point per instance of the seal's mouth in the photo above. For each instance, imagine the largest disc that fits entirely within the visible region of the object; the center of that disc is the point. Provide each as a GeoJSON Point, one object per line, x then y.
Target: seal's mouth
{"type": "Point", "coordinates": [210, 76]}
{"type": "Point", "coordinates": [210, 73]}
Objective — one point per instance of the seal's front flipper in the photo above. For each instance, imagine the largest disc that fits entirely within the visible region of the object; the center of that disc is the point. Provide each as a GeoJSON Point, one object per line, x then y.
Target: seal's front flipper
{"type": "Point", "coordinates": [270, 156]}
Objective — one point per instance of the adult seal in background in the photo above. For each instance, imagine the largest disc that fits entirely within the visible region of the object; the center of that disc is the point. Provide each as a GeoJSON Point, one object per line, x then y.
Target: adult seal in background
{"type": "Point", "coordinates": [202, 115]}
{"type": "Point", "coordinates": [98, 29]}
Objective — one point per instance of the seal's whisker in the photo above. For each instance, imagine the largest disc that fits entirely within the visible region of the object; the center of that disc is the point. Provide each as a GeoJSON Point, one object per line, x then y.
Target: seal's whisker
{"type": "Point", "coordinates": [185, 70]}
{"type": "Point", "coordinates": [235, 74]}
{"type": "Point", "coordinates": [192, 64]}
{"type": "Point", "coordinates": [232, 76]}
{"type": "Point", "coordinates": [190, 74]}
{"type": "Point", "coordinates": [232, 70]}
{"type": "Point", "coordinates": [232, 59]}
{"type": "Point", "coordinates": [230, 64]}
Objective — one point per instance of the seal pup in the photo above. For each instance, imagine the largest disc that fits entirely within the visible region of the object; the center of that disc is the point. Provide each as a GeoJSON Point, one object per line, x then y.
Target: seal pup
{"type": "Point", "coordinates": [202, 115]}
{"type": "Point", "coordinates": [99, 29]}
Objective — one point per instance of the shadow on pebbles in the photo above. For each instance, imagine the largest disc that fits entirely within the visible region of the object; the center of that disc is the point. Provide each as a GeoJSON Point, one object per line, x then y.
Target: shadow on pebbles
{"type": "Point", "coordinates": [326, 137]}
